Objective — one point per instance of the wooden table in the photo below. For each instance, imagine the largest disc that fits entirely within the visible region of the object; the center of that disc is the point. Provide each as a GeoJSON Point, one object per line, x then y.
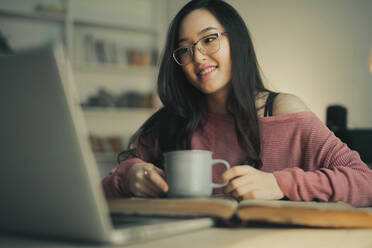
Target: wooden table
{"type": "Point", "coordinates": [234, 238]}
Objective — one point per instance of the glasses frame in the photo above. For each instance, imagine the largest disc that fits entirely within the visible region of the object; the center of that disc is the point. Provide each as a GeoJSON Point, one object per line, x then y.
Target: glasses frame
{"type": "Point", "coordinates": [190, 48]}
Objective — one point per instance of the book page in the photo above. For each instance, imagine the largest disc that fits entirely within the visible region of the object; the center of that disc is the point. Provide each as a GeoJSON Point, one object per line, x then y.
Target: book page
{"type": "Point", "coordinates": [297, 204]}
{"type": "Point", "coordinates": [315, 214]}
{"type": "Point", "coordinates": [213, 206]}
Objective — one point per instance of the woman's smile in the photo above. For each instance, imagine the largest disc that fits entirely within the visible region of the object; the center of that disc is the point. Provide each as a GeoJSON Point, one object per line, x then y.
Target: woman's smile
{"type": "Point", "coordinates": [206, 71]}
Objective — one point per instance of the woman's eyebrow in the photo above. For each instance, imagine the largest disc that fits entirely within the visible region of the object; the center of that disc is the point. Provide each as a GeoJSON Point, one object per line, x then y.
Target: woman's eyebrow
{"type": "Point", "coordinates": [204, 30]}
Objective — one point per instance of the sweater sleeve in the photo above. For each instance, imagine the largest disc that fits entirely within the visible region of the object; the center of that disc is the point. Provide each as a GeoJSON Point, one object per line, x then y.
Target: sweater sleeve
{"type": "Point", "coordinates": [116, 184]}
{"type": "Point", "coordinates": [330, 171]}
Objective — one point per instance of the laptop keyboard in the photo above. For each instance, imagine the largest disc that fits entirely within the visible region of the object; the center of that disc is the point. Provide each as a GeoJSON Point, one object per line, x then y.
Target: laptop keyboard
{"type": "Point", "coordinates": [122, 221]}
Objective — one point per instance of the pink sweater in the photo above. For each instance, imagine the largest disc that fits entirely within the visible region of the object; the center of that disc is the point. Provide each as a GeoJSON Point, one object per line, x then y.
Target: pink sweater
{"type": "Point", "coordinates": [308, 161]}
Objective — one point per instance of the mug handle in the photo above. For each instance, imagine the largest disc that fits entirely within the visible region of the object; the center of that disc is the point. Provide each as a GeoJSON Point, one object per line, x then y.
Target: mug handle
{"type": "Point", "coordinates": [227, 165]}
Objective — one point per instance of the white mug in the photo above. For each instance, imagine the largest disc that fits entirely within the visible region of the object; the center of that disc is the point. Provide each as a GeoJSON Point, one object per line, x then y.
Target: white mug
{"type": "Point", "coordinates": [189, 173]}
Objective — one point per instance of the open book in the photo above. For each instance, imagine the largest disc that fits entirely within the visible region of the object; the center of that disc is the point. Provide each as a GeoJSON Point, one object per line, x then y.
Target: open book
{"type": "Point", "coordinates": [314, 214]}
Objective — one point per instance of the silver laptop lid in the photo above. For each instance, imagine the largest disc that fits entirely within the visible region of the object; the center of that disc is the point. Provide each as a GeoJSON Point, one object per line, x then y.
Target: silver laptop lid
{"type": "Point", "coordinates": [49, 179]}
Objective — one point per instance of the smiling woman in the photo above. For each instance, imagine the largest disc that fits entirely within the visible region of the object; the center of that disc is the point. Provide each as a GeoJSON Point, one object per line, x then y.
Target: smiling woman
{"type": "Point", "coordinates": [214, 99]}
{"type": "Point", "coordinates": [210, 70]}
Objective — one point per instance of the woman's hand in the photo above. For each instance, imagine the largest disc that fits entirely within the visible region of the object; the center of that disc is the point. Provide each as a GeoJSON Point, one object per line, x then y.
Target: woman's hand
{"type": "Point", "coordinates": [147, 180]}
{"type": "Point", "coordinates": [246, 182]}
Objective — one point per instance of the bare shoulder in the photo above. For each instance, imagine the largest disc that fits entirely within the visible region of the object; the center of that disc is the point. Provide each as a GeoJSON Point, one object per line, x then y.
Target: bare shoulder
{"type": "Point", "coordinates": [287, 104]}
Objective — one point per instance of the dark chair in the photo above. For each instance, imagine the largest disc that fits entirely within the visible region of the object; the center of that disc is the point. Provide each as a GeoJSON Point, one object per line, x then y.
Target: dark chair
{"type": "Point", "coordinates": [359, 140]}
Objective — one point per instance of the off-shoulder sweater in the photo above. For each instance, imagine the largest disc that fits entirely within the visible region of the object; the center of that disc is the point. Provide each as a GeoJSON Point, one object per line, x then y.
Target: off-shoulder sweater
{"type": "Point", "coordinates": [308, 161]}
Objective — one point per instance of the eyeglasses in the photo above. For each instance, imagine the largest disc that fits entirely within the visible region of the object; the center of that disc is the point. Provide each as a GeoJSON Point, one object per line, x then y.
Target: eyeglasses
{"type": "Point", "coordinates": [207, 45]}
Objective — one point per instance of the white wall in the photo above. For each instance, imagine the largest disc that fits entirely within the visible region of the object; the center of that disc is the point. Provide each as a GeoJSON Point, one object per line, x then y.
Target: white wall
{"type": "Point", "coordinates": [316, 49]}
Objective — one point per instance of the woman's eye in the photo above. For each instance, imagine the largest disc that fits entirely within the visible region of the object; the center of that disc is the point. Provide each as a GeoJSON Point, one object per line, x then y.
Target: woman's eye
{"type": "Point", "coordinates": [209, 39]}
{"type": "Point", "coordinates": [182, 50]}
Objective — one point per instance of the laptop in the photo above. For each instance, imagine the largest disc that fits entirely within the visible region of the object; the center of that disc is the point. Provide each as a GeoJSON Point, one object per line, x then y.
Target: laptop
{"type": "Point", "coordinates": [50, 185]}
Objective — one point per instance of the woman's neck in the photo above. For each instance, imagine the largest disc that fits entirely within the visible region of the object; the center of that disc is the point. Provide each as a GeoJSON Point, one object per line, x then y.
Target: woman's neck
{"type": "Point", "coordinates": [217, 103]}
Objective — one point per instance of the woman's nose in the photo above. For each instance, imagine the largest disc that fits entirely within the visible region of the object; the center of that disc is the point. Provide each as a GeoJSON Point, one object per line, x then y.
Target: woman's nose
{"type": "Point", "coordinates": [198, 56]}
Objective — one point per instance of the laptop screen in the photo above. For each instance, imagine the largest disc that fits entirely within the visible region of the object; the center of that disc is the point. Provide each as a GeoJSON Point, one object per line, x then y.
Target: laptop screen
{"type": "Point", "coordinates": [49, 179]}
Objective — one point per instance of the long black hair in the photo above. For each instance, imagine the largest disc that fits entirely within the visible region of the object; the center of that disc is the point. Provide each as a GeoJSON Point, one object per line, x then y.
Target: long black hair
{"type": "Point", "coordinates": [172, 127]}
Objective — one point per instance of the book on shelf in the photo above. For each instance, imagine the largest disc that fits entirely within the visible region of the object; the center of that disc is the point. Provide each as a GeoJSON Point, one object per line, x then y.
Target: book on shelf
{"type": "Point", "coordinates": [141, 57]}
{"type": "Point", "coordinates": [96, 144]}
{"type": "Point", "coordinates": [233, 213]}
{"type": "Point", "coordinates": [116, 144]}
{"type": "Point", "coordinates": [106, 145]}
{"type": "Point", "coordinates": [90, 49]}
{"type": "Point", "coordinates": [101, 52]}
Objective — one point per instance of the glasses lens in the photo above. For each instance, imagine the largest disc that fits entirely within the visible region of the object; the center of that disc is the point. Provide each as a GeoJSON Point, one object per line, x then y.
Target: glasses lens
{"type": "Point", "coordinates": [209, 44]}
{"type": "Point", "coordinates": [182, 56]}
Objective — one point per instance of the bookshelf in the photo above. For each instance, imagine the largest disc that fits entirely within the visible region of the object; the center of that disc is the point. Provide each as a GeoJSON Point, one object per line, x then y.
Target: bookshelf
{"type": "Point", "coordinates": [33, 16]}
{"type": "Point", "coordinates": [128, 33]}
{"type": "Point", "coordinates": [122, 119]}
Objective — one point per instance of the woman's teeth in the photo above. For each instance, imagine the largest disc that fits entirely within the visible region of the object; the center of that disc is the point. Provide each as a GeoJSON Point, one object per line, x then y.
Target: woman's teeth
{"type": "Point", "coordinates": [210, 69]}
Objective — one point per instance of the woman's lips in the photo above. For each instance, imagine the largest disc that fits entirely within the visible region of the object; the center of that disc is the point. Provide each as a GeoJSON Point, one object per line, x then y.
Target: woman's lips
{"type": "Point", "coordinates": [204, 73]}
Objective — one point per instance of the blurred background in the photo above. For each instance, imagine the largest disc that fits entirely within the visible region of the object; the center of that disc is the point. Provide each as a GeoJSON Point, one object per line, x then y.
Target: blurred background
{"type": "Point", "coordinates": [319, 50]}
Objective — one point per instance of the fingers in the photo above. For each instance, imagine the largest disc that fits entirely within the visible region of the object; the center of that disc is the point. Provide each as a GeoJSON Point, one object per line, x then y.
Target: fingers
{"type": "Point", "coordinates": [146, 180]}
{"type": "Point", "coordinates": [156, 177]}
{"type": "Point", "coordinates": [250, 183]}
{"type": "Point", "coordinates": [237, 183]}
{"type": "Point", "coordinates": [236, 171]}
{"type": "Point", "coordinates": [142, 190]}
{"type": "Point", "coordinates": [246, 191]}
{"type": "Point", "coordinates": [155, 190]}
{"type": "Point", "coordinates": [160, 171]}
{"type": "Point", "coordinates": [242, 187]}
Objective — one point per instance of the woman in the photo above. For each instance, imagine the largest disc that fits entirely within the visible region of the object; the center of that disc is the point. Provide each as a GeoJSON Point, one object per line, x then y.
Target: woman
{"type": "Point", "coordinates": [214, 99]}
